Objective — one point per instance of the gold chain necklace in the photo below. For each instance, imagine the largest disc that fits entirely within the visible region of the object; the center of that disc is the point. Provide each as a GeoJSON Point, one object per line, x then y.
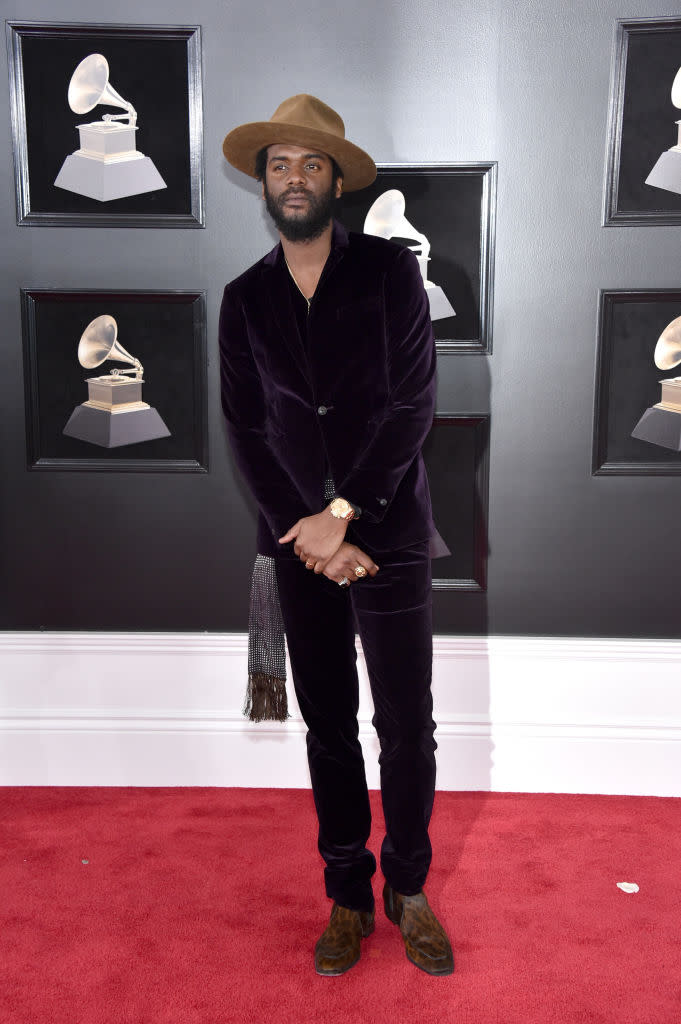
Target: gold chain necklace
{"type": "Point", "coordinates": [297, 285]}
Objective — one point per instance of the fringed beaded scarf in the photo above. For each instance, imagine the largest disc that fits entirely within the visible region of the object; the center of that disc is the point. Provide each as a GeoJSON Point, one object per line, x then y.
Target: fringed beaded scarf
{"type": "Point", "coordinates": [266, 691]}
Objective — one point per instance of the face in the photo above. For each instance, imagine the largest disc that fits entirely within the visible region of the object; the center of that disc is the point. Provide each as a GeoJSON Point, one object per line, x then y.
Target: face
{"type": "Point", "coordinates": [299, 191]}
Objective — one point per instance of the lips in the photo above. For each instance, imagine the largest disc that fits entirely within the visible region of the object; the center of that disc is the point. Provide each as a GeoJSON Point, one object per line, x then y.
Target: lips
{"type": "Point", "coordinates": [294, 198]}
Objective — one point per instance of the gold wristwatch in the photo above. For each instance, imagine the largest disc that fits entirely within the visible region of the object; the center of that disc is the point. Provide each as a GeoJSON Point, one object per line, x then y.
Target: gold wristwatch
{"type": "Point", "coordinates": [342, 509]}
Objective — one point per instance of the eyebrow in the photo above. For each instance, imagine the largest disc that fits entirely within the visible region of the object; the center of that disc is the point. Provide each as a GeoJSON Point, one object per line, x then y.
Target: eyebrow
{"type": "Point", "coordinates": [306, 156]}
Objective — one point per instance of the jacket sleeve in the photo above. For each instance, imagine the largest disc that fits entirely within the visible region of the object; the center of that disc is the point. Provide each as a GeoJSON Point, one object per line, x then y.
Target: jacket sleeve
{"type": "Point", "coordinates": [243, 403]}
{"type": "Point", "coordinates": [373, 481]}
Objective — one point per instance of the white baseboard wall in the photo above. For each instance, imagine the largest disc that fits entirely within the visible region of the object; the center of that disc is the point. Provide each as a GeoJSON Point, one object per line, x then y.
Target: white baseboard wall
{"type": "Point", "coordinates": [515, 714]}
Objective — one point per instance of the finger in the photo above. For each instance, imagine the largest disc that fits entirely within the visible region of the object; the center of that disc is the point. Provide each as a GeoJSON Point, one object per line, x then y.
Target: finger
{"type": "Point", "coordinates": [366, 563]}
{"type": "Point", "coordinates": [361, 558]}
{"type": "Point", "coordinates": [363, 561]}
{"type": "Point", "coordinates": [319, 567]}
{"type": "Point", "coordinates": [290, 534]}
{"type": "Point", "coordinates": [333, 571]}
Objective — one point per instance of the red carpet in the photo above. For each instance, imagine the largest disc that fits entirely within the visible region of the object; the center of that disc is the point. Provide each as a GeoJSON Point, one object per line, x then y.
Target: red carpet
{"type": "Point", "coordinates": [201, 906]}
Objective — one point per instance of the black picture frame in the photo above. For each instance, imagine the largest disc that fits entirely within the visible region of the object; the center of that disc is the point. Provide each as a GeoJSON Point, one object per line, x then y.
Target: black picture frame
{"type": "Point", "coordinates": [456, 454]}
{"type": "Point", "coordinates": [627, 381]}
{"type": "Point", "coordinates": [641, 125]}
{"type": "Point", "coordinates": [454, 205]}
{"type": "Point", "coordinates": [155, 67]}
{"type": "Point", "coordinates": [165, 330]}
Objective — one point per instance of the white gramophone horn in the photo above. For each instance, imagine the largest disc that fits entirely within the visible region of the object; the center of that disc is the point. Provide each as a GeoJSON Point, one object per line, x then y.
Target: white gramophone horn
{"type": "Point", "coordinates": [668, 348]}
{"type": "Point", "coordinates": [99, 342]}
{"type": "Point", "coordinates": [386, 219]}
{"type": "Point", "coordinates": [89, 86]}
{"type": "Point", "coordinates": [676, 89]}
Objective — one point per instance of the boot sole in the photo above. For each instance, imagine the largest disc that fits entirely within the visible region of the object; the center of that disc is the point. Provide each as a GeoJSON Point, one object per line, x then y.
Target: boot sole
{"type": "Point", "coordinates": [434, 974]}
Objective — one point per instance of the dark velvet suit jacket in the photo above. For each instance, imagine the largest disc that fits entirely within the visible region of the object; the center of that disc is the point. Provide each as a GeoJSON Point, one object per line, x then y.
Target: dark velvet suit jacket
{"type": "Point", "coordinates": [355, 403]}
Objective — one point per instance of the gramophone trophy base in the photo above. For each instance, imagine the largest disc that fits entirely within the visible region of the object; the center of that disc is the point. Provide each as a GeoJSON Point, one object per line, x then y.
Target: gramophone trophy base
{"type": "Point", "coordinates": [107, 166]}
{"type": "Point", "coordinates": [667, 171]}
{"type": "Point", "coordinates": [96, 179]}
{"type": "Point", "coordinates": [115, 415]}
{"type": "Point", "coordinates": [113, 429]}
{"type": "Point", "coordinates": [660, 426]}
{"type": "Point", "coordinates": [440, 306]}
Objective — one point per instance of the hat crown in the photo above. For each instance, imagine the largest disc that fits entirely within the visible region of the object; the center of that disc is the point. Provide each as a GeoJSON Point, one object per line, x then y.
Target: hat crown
{"type": "Point", "coordinates": [309, 112]}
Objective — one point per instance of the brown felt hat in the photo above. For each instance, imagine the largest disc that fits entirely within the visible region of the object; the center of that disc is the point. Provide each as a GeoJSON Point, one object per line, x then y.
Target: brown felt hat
{"type": "Point", "coordinates": [301, 120]}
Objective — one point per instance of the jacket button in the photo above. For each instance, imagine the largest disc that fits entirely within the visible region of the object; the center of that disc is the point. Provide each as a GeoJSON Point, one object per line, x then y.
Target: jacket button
{"type": "Point", "coordinates": [322, 410]}
{"type": "Point", "coordinates": [382, 501]}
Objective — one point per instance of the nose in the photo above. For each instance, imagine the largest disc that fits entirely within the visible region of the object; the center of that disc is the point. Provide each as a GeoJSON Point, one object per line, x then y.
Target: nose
{"type": "Point", "coordinates": [296, 175]}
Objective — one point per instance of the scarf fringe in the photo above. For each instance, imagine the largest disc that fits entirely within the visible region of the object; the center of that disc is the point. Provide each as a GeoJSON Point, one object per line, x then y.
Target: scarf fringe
{"type": "Point", "coordinates": [266, 690]}
{"type": "Point", "coordinates": [266, 699]}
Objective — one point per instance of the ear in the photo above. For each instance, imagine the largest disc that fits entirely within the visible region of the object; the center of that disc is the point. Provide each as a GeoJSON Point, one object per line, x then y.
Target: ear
{"type": "Point", "coordinates": [339, 187]}
{"type": "Point", "coordinates": [262, 189]}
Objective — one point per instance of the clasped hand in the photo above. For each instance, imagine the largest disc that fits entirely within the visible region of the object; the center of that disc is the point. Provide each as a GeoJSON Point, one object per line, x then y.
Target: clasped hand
{"type": "Point", "coordinates": [320, 544]}
{"type": "Point", "coordinates": [343, 564]}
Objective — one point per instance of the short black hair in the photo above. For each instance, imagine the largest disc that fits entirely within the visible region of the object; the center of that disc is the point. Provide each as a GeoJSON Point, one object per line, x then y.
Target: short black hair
{"type": "Point", "coordinates": [261, 164]}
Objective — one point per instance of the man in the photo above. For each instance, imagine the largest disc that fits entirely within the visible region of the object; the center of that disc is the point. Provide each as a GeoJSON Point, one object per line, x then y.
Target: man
{"type": "Point", "coordinates": [327, 372]}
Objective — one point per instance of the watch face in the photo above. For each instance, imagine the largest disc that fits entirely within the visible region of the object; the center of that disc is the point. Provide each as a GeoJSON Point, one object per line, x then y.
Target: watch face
{"type": "Point", "coordinates": [341, 509]}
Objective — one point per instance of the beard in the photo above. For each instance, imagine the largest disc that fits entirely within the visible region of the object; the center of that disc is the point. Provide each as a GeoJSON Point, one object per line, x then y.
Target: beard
{"type": "Point", "coordinates": [303, 226]}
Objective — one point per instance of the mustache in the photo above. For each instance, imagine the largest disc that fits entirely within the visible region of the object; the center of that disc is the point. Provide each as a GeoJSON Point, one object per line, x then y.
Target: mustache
{"type": "Point", "coordinates": [295, 192]}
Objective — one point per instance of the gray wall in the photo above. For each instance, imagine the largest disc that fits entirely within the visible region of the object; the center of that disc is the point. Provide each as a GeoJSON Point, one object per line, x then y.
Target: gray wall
{"type": "Point", "coordinates": [526, 84]}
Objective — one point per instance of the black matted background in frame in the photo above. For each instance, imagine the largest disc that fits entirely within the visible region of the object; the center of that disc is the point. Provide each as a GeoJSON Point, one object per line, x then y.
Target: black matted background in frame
{"type": "Point", "coordinates": [165, 331]}
{"type": "Point", "coordinates": [147, 67]}
{"type": "Point", "coordinates": [627, 381]}
{"type": "Point", "coordinates": [456, 454]}
{"type": "Point", "coordinates": [453, 206]}
{"type": "Point", "coordinates": [647, 57]}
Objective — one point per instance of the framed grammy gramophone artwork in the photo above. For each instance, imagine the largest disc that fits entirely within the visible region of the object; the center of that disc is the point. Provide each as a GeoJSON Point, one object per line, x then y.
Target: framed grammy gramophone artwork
{"type": "Point", "coordinates": [637, 407]}
{"type": "Point", "coordinates": [643, 172]}
{"type": "Point", "coordinates": [445, 213]}
{"type": "Point", "coordinates": [107, 124]}
{"type": "Point", "coordinates": [115, 380]}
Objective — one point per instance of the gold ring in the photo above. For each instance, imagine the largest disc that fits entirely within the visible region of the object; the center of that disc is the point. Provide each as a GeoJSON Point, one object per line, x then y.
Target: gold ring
{"type": "Point", "coordinates": [345, 582]}
{"type": "Point", "coordinates": [309, 564]}
{"type": "Point", "coordinates": [360, 571]}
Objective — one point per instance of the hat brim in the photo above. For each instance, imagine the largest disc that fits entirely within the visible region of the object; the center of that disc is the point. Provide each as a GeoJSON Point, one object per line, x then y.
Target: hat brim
{"type": "Point", "coordinates": [242, 144]}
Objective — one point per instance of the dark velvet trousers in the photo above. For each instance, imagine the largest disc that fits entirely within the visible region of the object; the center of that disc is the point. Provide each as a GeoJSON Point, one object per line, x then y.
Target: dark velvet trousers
{"type": "Point", "coordinates": [393, 614]}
